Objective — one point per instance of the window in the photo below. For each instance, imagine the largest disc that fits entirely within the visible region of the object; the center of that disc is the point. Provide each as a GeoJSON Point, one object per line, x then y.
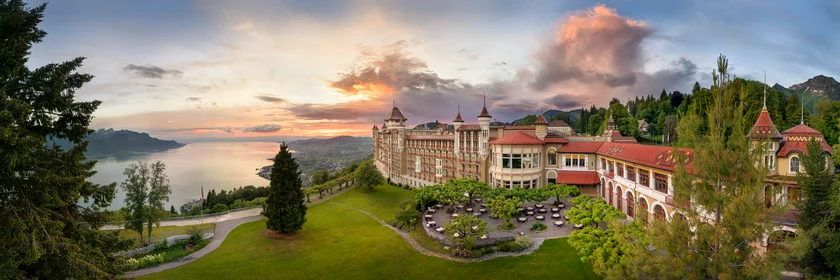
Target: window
{"type": "Point", "coordinates": [516, 161]}
{"type": "Point", "coordinates": [438, 168]}
{"type": "Point", "coordinates": [552, 157]}
{"type": "Point", "coordinates": [659, 212]}
{"type": "Point", "coordinates": [631, 173]}
{"type": "Point", "coordinates": [610, 166]}
{"type": "Point", "coordinates": [661, 181]}
{"type": "Point", "coordinates": [536, 163]}
{"type": "Point", "coordinates": [794, 164]}
{"type": "Point", "coordinates": [603, 164]}
{"type": "Point", "coordinates": [620, 170]}
{"type": "Point", "coordinates": [643, 209]}
{"type": "Point", "coordinates": [630, 206]}
{"type": "Point", "coordinates": [506, 161]}
{"type": "Point", "coordinates": [417, 160]}
{"type": "Point", "coordinates": [575, 160]}
{"type": "Point", "coordinates": [794, 194]}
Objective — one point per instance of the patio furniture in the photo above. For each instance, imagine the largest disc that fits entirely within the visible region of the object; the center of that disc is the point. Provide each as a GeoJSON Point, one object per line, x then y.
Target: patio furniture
{"type": "Point", "coordinates": [478, 199]}
{"type": "Point", "coordinates": [460, 206]}
{"type": "Point", "coordinates": [539, 206]}
{"type": "Point", "coordinates": [565, 217]}
{"type": "Point", "coordinates": [476, 213]}
{"type": "Point", "coordinates": [522, 219]}
{"type": "Point", "coordinates": [431, 223]}
{"type": "Point", "coordinates": [454, 215]}
{"type": "Point", "coordinates": [558, 223]}
{"type": "Point", "coordinates": [483, 206]}
{"type": "Point", "coordinates": [440, 229]}
{"type": "Point", "coordinates": [555, 216]}
{"type": "Point", "coordinates": [561, 206]}
{"type": "Point", "coordinates": [475, 228]}
{"type": "Point", "coordinates": [469, 209]}
{"type": "Point", "coordinates": [521, 233]}
{"type": "Point", "coordinates": [530, 208]}
{"type": "Point", "coordinates": [530, 213]}
{"type": "Point", "coordinates": [578, 226]}
{"type": "Point", "coordinates": [432, 210]}
{"type": "Point", "coordinates": [483, 237]}
{"type": "Point", "coordinates": [427, 216]}
{"type": "Point", "coordinates": [540, 217]}
{"type": "Point", "coordinates": [482, 210]}
{"type": "Point", "coordinates": [438, 206]}
{"type": "Point", "coordinates": [542, 210]}
{"type": "Point", "coordinates": [456, 235]}
{"type": "Point", "coordinates": [520, 209]}
{"type": "Point", "coordinates": [555, 210]}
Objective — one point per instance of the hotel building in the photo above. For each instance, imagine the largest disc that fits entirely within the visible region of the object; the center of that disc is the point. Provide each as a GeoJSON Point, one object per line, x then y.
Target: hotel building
{"type": "Point", "coordinates": [632, 177]}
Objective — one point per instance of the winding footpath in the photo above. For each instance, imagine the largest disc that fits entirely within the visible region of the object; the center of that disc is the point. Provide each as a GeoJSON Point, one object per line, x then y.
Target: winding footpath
{"type": "Point", "coordinates": [537, 242]}
{"type": "Point", "coordinates": [223, 228]}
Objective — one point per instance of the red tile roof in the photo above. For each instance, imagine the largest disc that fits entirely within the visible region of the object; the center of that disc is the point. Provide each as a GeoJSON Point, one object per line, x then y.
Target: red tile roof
{"type": "Point", "coordinates": [518, 127]}
{"type": "Point", "coordinates": [540, 120]}
{"type": "Point", "coordinates": [578, 177]}
{"type": "Point", "coordinates": [484, 112]}
{"type": "Point", "coordinates": [764, 127]}
{"type": "Point", "coordinates": [660, 157]}
{"type": "Point", "coordinates": [396, 115]}
{"type": "Point", "coordinates": [517, 138]}
{"type": "Point", "coordinates": [556, 140]}
{"type": "Point", "coordinates": [580, 147]}
{"type": "Point", "coordinates": [458, 118]}
{"type": "Point", "coordinates": [469, 127]}
{"type": "Point", "coordinates": [796, 140]}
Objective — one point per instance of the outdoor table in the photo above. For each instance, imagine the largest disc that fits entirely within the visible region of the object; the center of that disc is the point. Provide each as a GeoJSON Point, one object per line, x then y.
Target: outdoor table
{"type": "Point", "coordinates": [522, 219]}
{"type": "Point", "coordinates": [520, 209]}
{"type": "Point", "coordinates": [475, 228]}
{"type": "Point", "coordinates": [456, 235]}
{"type": "Point", "coordinates": [530, 213]}
{"type": "Point", "coordinates": [460, 206]}
{"type": "Point", "coordinates": [578, 226]}
{"type": "Point", "coordinates": [562, 206]}
{"type": "Point", "coordinates": [476, 213]}
{"type": "Point", "coordinates": [555, 216]}
{"type": "Point", "coordinates": [555, 210]}
{"type": "Point", "coordinates": [521, 233]}
{"type": "Point", "coordinates": [482, 205]}
{"type": "Point", "coordinates": [542, 210]}
{"type": "Point", "coordinates": [540, 218]}
{"type": "Point", "coordinates": [565, 217]}
{"type": "Point", "coordinates": [440, 229]}
{"type": "Point", "coordinates": [432, 210]}
{"type": "Point", "coordinates": [483, 237]}
{"type": "Point", "coordinates": [431, 223]}
{"type": "Point", "coordinates": [482, 210]}
{"type": "Point", "coordinates": [478, 199]}
{"type": "Point", "coordinates": [530, 208]}
{"type": "Point", "coordinates": [558, 223]}
{"type": "Point", "coordinates": [438, 206]}
{"type": "Point", "coordinates": [539, 206]}
{"type": "Point", "coordinates": [469, 209]}
{"type": "Point", "coordinates": [454, 215]}
{"type": "Point", "coordinates": [427, 216]}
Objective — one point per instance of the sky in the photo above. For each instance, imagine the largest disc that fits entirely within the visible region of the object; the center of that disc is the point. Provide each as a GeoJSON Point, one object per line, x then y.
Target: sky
{"type": "Point", "coordinates": [236, 69]}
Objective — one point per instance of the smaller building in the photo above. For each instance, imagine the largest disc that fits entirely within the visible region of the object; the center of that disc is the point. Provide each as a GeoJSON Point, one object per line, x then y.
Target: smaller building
{"type": "Point", "coordinates": [560, 127]}
{"type": "Point", "coordinates": [644, 127]}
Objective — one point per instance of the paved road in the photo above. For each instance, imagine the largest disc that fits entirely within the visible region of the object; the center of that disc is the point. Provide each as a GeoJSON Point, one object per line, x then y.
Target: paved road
{"type": "Point", "coordinates": [222, 230]}
{"type": "Point", "coordinates": [206, 220]}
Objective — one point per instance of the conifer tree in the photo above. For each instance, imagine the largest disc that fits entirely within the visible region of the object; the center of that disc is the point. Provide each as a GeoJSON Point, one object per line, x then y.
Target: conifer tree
{"type": "Point", "coordinates": [816, 186]}
{"type": "Point", "coordinates": [285, 207]}
{"type": "Point", "coordinates": [718, 212]}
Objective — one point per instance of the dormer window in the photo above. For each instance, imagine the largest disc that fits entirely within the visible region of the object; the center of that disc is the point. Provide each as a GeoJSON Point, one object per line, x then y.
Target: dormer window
{"type": "Point", "coordinates": [794, 165]}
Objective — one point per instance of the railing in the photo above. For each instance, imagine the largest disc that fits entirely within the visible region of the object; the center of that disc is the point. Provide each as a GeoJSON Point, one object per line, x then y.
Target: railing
{"type": "Point", "coordinates": [670, 201]}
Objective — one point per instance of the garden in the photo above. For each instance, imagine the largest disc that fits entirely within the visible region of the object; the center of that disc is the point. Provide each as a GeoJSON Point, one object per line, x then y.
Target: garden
{"type": "Point", "coordinates": [339, 242]}
{"type": "Point", "coordinates": [169, 249]}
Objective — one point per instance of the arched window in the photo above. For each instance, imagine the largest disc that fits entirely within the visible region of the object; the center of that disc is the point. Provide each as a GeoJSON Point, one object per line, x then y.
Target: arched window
{"type": "Point", "coordinates": [643, 209]}
{"type": "Point", "coordinates": [659, 212]}
{"type": "Point", "coordinates": [794, 164]}
{"type": "Point", "coordinates": [618, 200]}
{"type": "Point", "coordinates": [552, 157]}
{"type": "Point", "coordinates": [630, 205]}
{"type": "Point", "coordinates": [609, 194]}
{"type": "Point", "coordinates": [768, 196]}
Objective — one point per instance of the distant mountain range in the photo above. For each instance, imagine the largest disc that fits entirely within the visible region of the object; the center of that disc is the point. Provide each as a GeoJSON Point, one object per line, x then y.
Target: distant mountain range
{"type": "Point", "coordinates": [819, 88]}
{"type": "Point", "coordinates": [105, 143]}
{"type": "Point", "coordinates": [574, 115]}
{"type": "Point", "coordinates": [332, 154]}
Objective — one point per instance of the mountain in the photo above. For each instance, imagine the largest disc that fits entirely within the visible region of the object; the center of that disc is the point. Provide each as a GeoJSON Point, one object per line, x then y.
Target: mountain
{"type": "Point", "coordinates": [819, 88]}
{"type": "Point", "coordinates": [574, 115]}
{"type": "Point", "coordinates": [106, 143]}
{"type": "Point", "coordinates": [332, 154]}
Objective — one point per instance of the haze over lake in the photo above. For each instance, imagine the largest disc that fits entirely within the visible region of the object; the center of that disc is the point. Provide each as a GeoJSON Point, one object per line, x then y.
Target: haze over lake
{"type": "Point", "coordinates": [217, 165]}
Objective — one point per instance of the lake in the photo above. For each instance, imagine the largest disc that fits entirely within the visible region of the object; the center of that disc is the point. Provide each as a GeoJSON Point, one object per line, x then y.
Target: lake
{"type": "Point", "coordinates": [216, 165]}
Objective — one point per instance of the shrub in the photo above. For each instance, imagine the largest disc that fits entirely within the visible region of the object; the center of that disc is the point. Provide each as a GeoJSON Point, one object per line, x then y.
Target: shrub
{"type": "Point", "coordinates": [218, 208]}
{"type": "Point", "coordinates": [518, 244]}
{"type": "Point", "coordinates": [160, 246]}
{"type": "Point", "coordinates": [476, 253]}
{"type": "Point", "coordinates": [508, 226]}
{"type": "Point", "coordinates": [259, 201]}
{"type": "Point", "coordinates": [407, 216]}
{"type": "Point", "coordinates": [487, 250]}
{"type": "Point", "coordinates": [538, 226]}
{"type": "Point", "coordinates": [461, 253]}
{"type": "Point", "coordinates": [195, 235]}
{"type": "Point", "coordinates": [240, 204]}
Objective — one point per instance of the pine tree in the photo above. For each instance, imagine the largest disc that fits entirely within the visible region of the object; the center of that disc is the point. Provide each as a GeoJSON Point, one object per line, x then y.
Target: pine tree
{"type": "Point", "coordinates": [285, 207]}
{"type": "Point", "coordinates": [815, 184]}
{"type": "Point", "coordinates": [45, 230]}
{"type": "Point", "coordinates": [727, 186]}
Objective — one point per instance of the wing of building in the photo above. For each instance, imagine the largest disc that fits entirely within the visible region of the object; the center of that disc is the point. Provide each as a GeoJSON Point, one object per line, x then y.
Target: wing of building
{"type": "Point", "coordinates": [633, 177]}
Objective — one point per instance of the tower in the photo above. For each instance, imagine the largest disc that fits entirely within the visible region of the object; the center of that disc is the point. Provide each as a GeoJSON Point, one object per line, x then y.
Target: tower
{"type": "Point", "coordinates": [484, 138]}
{"type": "Point", "coordinates": [764, 135]}
{"type": "Point", "coordinates": [457, 123]}
{"type": "Point", "coordinates": [541, 127]}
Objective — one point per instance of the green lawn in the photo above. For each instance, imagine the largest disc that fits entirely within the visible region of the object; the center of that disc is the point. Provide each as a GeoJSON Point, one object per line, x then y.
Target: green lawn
{"type": "Point", "coordinates": [341, 243]}
{"type": "Point", "coordinates": [159, 233]}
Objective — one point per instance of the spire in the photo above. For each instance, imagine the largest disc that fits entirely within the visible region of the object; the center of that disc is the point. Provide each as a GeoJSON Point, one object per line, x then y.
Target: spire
{"type": "Point", "coordinates": [484, 113]}
{"type": "Point", "coordinates": [802, 114]}
{"type": "Point", "coordinates": [458, 117]}
{"type": "Point", "coordinates": [765, 91]}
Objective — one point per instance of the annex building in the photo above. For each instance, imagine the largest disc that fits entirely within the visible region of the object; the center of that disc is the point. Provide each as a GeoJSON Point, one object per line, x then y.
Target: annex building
{"type": "Point", "coordinates": [632, 177]}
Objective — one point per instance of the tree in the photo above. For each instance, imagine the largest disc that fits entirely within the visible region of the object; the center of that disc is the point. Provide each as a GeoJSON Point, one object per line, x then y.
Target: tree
{"type": "Point", "coordinates": [726, 189]}
{"type": "Point", "coordinates": [146, 188]}
{"type": "Point", "coordinates": [469, 186]}
{"type": "Point", "coordinates": [467, 228]}
{"type": "Point", "coordinates": [528, 120]}
{"type": "Point", "coordinates": [818, 191]}
{"type": "Point", "coordinates": [824, 238]}
{"type": "Point", "coordinates": [285, 207]}
{"type": "Point", "coordinates": [319, 177]}
{"type": "Point", "coordinates": [450, 194]}
{"type": "Point", "coordinates": [367, 176]}
{"type": "Point", "coordinates": [407, 215]}
{"type": "Point", "coordinates": [594, 122]}
{"type": "Point", "coordinates": [505, 208]}
{"type": "Point", "coordinates": [50, 214]}
{"type": "Point", "coordinates": [612, 251]}
{"type": "Point", "coordinates": [589, 211]}
{"type": "Point", "coordinates": [560, 191]}
{"type": "Point", "coordinates": [172, 210]}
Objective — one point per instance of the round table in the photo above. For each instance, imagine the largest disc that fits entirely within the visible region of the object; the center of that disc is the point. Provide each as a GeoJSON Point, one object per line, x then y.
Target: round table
{"type": "Point", "coordinates": [555, 210]}
{"type": "Point", "coordinates": [454, 215]}
{"type": "Point", "coordinates": [540, 218]}
{"type": "Point", "coordinates": [530, 208]}
{"type": "Point", "coordinates": [530, 213]}
{"type": "Point", "coordinates": [556, 216]}
{"type": "Point", "coordinates": [482, 210]}
{"type": "Point", "coordinates": [469, 209]}
{"type": "Point", "coordinates": [539, 206]}
{"type": "Point", "coordinates": [558, 223]}
{"type": "Point", "coordinates": [522, 219]}
{"type": "Point", "coordinates": [542, 210]}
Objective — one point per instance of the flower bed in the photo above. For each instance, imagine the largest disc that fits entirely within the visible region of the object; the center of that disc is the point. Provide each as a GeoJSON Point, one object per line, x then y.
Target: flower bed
{"type": "Point", "coordinates": [166, 253]}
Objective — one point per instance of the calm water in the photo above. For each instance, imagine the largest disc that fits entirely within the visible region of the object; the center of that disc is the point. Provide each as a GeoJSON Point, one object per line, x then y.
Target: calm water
{"type": "Point", "coordinates": [217, 165]}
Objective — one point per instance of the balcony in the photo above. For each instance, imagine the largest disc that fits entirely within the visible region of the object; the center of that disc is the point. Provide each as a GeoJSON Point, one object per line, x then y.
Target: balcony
{"type": "Point", "coordinates": [670, 201]}
{"type": "Point", "coordinates": [609, 175]}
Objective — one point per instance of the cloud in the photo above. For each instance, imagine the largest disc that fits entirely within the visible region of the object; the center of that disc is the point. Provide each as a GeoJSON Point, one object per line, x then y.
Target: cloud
{"type": "Point", "coordinates": [247, 25]}
{"type": "Point", "coordinates": [194, 99]}
{"type": "Point", "coordinates": [562, 100]}
{"type": "Point", "coordinates": [151, 71]}
{"type": "Point", "coordinates": [270, 99]}
{"type": "Point", "coordinates": [263, 128]}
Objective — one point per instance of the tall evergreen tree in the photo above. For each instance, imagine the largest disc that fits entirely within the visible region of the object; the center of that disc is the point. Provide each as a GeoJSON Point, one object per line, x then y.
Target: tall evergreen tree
{"type": "Point", "coordinates": [718, 213]}
{"type": "Point", "coordinates": [50, 214]}
{"type": "Point", "coordinates": [815, 183]}
{"type": "Point", "coordinates": [286, 206]}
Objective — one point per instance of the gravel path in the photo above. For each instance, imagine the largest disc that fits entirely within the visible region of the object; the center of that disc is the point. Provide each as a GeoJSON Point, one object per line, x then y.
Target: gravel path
{"type": "Point", "coordinates": [223, 228]}
{"type": "Point", "coordinates": [537, 242]}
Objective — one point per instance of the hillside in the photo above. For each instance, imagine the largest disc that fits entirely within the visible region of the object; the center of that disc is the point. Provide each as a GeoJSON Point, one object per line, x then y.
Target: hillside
{"type": "Point", "coordinates": [574, 115]}
{"type": "Point", "coordinates": [332, 154]}
{"type": "Point", "coordinates": [105, 143]}
{"type": "Point", "coordinates": [819, 88]}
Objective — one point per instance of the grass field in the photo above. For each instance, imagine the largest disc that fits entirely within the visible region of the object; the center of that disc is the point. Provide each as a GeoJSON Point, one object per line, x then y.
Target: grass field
{"type": "Point", "coordinates": [341, 243]}
{"type": "Point", "coordinates": [159, 233]}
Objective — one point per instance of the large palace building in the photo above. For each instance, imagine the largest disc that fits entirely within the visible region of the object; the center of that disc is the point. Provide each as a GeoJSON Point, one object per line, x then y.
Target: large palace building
{"type": "Point", "coordinates": [632, 177]}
